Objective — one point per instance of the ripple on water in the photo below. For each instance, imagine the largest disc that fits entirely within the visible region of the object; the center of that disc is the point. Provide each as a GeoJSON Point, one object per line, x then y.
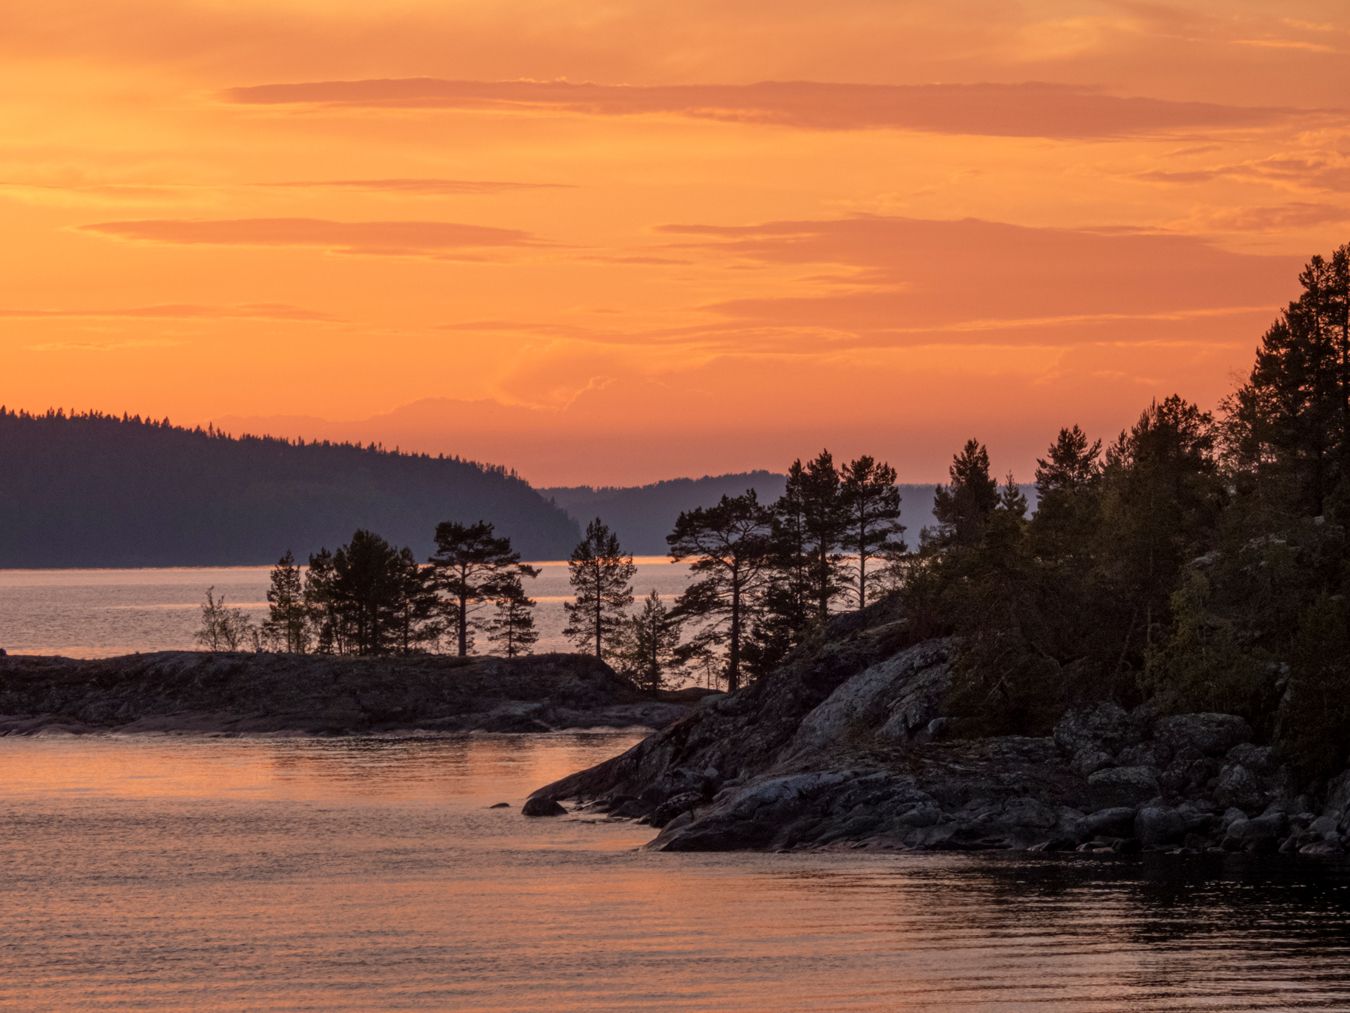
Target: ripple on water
{"type": "Point", "coordinates": [174, 872]}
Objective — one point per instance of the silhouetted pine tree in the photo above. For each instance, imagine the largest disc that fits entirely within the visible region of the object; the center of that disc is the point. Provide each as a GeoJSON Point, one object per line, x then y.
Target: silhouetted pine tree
{"type": "Point", "coordinates": [511, 627]}
{"type": "Point", "coordinates": [871, 510]}
{"type": "Point", "coordinates": [474, 568]}
{"type": "Point", "coordinates": [963, 507]}
{"type": "Point", "coordinates": [730, 552]}
{"type": "Point", "coordinates": [651, 644]}
{"type": "Point", "coordinates": [287, 625]}
{"type": "Point", "coordinates": [601, 575]}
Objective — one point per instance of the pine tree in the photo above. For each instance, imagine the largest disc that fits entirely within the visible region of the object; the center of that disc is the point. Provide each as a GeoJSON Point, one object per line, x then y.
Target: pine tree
{"type": "Point", "coordinates": [1290, 422]}
{"type": "Point", "coordinates": [1161, 500]}
{"type": "Point", "coordinates": [415, 616]}
{"type": "Point", "coordinates": [651, 647]}
{"type": "Point", "coordinates": [359, 595]}
{"type": "Point", "coordinates": [963, 507]}
{"type": "Point", "coordinates": [287, 625]}
{"type": "Point", "coordinates": [730, 553]}
{"type": "Point", "coordinates": [825, 522]}
{"type": "Point", "coordinates": [1068, 486]}
{"type": "Point", "coordinates": [871, 507]}
{"type": "Point", "coordinates": [601, 575]}
{"type": "Point", "coordinates": [474, 568]}
{"type": "Point", "coordinates": [321, 603]}
{"type": "Point", "coordinates": [511, 627]}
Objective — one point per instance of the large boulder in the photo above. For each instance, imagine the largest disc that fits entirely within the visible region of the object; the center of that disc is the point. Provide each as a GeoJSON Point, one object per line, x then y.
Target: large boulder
{"type": "Point", "coordinates": [1209, 734]}
{"type": "Point", "coordinates": [894, 699]}
{"type": "Point", "coordinates": [1159, 825]}
{"type": "Point", "coordinates": [1104, 727]}
{"type": "Point", "coordinates": [1239, 788]}
{"type": "Point", "coordinates": [1260, 834]}
{"type": "Point", "coordinates": [542, 805]}
{"type": "Point", "coordinates": [1115, 821]}
{"type": "Point", "coordinates": [1125, 785]}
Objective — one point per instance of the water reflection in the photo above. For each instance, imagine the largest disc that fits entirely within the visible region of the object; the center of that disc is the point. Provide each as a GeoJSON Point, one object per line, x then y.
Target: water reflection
{"type": "Point", "coordinates": [209, 873]}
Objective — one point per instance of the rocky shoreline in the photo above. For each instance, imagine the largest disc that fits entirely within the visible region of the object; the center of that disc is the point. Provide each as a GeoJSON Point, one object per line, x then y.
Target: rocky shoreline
{"type": "Point", "coordinates": [847, 747]}
{"type": "Point", "coordinates": [240, 693]}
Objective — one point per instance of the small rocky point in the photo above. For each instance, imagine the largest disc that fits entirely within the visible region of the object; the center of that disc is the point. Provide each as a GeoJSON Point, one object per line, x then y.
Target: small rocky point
{"type": "Point", "coordinates": [846, 746]}
{"type": "Point", "coordinates": [320, 694]}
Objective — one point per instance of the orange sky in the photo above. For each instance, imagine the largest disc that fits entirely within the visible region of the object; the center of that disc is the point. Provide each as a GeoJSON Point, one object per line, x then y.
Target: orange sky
{"type": "Point", "coordinates": [625, 241]}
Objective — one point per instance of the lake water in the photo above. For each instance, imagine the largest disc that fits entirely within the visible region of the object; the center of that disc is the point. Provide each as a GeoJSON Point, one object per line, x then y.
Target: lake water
{"type": "Point", "coordinates": [173, 873]}
{"type": "Point", "coordinates": [102, 613]}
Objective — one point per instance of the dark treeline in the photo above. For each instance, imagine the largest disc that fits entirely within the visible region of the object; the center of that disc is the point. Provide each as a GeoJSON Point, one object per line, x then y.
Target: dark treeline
{"type": "Point", "coordinates": [764, 578]}
{"type": "Point", "coordinates": [643, 515]}
{"type": "Point", "coordinates": [100, 490]}
{"type": "Point", "coordinates": [1196, 561]}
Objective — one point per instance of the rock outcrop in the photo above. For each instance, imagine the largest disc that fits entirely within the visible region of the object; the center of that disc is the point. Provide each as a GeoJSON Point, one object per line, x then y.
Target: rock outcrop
{"type": "Point", "coordinates": [318, 694]}
{"type": "Point", "coordinates": [847, 746]}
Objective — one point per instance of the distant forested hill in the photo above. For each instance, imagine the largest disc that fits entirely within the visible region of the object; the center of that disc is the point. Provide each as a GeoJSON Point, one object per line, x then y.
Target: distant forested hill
{"type": "Point", "coordinates": [644, 515]}
{"type": "Point", "coordinates": [95, 490]}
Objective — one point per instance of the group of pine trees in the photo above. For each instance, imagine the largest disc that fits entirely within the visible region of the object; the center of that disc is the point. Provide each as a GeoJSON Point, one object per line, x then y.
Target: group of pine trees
{"type": "Point", "coordinates": [764, 576]}
{"type": "Point", "coordinates": [1198, 561]}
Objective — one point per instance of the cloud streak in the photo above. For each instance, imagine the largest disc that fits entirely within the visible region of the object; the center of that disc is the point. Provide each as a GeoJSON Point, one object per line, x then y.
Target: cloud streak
{"type": "Point", "coordinates": [406, 238]}
{"type": "Point", "coordinates": [1010, 110]}
{"type": "Point", "coordinates": [418, 187]}
{"type": "Point", "coordinates": [907, 280]}
{"type": "Point", "coordinates": [176, 311]}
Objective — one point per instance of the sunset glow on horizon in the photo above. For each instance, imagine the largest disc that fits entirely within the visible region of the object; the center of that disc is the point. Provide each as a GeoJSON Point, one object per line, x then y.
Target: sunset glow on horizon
{"type": "Point", "coordinates": [616, 243]}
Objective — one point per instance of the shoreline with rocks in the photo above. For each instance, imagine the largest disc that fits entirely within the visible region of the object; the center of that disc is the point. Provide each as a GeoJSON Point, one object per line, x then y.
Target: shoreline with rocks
{"type": "Point", "coordinates": [248, 693]}
{"type": "Point", "coordinates": [846, 746]}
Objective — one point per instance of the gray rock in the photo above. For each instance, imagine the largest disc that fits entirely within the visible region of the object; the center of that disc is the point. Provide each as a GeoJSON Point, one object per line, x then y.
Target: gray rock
{"type": "Point", "coordinates": [917, 814]}
{"type": "Point", "coordinates": [1238, 787]}
{"type": "Point", "coordinates": [1159, 825]}
{"type": "Point", "coordinates": [1325, 826]}
{"type": "Point", "coordinates": [500, 805]}
{"type": "Point", "coordinates": [1105, 727]}
{"type": "Point", "coordinates": [894, 699]}
{"type": "Point", "coordinates": [939, 727]}
{"type": "Point", "coordinates": [675, 806]}
{"type": "Point", "coordinates": [1257, 759]}
{"type": "Point", "coordinates": [542, 805]}
{"type": "Point", "coordinates": [682, 820]}
{"type": "Point", "coordinates": [1125, 785]}
{"type": "Point", "coordinates": [1117, 821]}
{"type": "Point", "coordinates": [1262, 833]}
{"type": "Point", "coordinates": [1143, 754]}
{"type": "Point", "coordinates": [1211, 734]}
{"type": "Point", "coordinates": [1322, 849]}
{"type": "Point", "coordinates": [1090, 760]}
{"type": "Point", "coordinates": [1338, 793]}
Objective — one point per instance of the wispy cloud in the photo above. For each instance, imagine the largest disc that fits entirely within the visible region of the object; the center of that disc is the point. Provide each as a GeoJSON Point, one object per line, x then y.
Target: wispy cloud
{"type": "Point", "coordinates": [114, 345]}
{"type": "Point", "coordinates": [1017, 110]}
{"type": "Point", "coordinates": [407, 238]}
{"type": "Point", "coordinates": [418, 187]}
{"type": "Point", "coordinates": [902, 280]}
{"type": "Point", "coordinates": [175, 311]}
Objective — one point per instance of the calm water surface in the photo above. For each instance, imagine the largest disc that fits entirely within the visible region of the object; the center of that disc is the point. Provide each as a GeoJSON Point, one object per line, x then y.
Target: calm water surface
{"type": "Point", "coordinates": [101, 613]}
{"type": "Point", "coordinates": [200, 873]}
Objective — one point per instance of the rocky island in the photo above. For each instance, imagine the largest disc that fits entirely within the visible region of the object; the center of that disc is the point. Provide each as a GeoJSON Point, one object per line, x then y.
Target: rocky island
{"type": "Point", "coordinates": [847, 746]}
{"type": "Point", "coordinates": [320, 694]}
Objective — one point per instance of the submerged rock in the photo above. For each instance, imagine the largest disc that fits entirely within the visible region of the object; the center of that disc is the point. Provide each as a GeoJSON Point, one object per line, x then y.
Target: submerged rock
{"type": "Point", "coordinates": [541, 805]}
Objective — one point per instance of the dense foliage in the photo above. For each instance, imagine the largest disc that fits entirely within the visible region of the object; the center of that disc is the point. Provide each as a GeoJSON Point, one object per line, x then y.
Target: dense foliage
{"type": "Point", "coordinates": [1197, 563]}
